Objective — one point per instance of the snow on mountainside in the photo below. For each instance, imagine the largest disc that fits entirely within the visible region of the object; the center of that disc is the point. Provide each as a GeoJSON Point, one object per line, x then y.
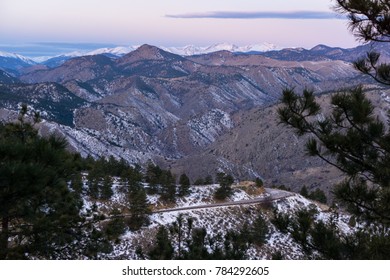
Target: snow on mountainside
{"type": "Point", "coordinates": [117, 51]}
{"type": "Point", "coordinates": [53, 61]}
{"type": "Point", "coordinates": [12, 62]}
{"type": "Point", "coordinates": [194, 50]}
{"type": "Point", "coordinates": [217, 218]}
{"type": "Point", "coordinates": [16, 56]}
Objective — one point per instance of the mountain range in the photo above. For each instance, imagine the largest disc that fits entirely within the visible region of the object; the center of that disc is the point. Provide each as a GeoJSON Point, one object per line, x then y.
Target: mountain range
{"type": "Point", "coordinates": [14, 62]}
{"type": "Point", "coordinates": [198, 114]}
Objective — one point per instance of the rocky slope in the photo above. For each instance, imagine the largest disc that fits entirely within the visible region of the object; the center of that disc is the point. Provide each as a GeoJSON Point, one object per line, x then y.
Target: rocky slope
{"type": "Point", "coordinates": [196, 114]}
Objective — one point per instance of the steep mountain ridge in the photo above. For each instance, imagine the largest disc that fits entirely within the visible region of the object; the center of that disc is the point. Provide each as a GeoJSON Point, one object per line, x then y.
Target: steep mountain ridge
{"type": "Point", "coordinates": [152, 104]}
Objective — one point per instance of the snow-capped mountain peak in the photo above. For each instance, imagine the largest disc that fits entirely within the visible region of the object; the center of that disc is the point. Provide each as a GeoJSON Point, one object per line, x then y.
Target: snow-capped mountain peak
{"type": "Point", "coordinates": [194, 50]}
{"type": "Point", "coordinates": [17, 56]}
{"type": "Point", "coordinates": [117, 51]}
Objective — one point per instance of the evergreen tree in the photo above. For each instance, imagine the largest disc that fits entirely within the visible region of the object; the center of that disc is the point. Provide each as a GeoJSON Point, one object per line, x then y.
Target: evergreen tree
{"type": "Point", "coordinates": [368, 19]}
{"type": "Point", "coordinates": [197, 245]}
{"type": "Point", "coordinates": [208, 180]}
{"type": "Point", "coordinates": [259, 182]}
{"type": "Point", "coordinates": [259, 231]}
{"type": "Point", "coordinates": [318, 195]}
{"type": "Point", "coordinates": [153, 177]}
{"type": "Point", "coordinates": [76, 183]}
{"type": "Point", "coordinates": [224, 191]}
{"type": "Point", "coordinates": [93, 189]}
{"type": "Point", "coordinates": [163, 249]}
{"type": "Point", "coordinates": [38, 212]}
{"type": "Point", "coordinates": [168, 187]}
{"type": "Point", "coordinates": [106, 188]}
{"type": "Point", "coordinates": [116, 226]}
{"type": "Point", "coordinates": [351, 137]}
{"type": "Point", "coordinates": [131, 179]}
{"type": "Point", "coordinates": [139, 209]}
{"type": "Point", "coordinates": [177, 228]}
{"type": "Point", "coordinates": [184, 187]}
{"type": "Point", "coordinates": [235, 246]}
{"type": "Point", "coordinates": [304, 192]}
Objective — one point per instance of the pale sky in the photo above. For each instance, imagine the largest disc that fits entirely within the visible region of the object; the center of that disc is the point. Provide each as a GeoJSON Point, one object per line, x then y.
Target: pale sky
{"type": "Point", "coordinates": [285, 23]}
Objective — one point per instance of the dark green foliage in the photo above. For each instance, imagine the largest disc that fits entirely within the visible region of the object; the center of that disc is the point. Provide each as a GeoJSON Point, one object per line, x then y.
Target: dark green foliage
{"type": "Point", "coordinates": [301, 226]}
{"type": "Point", "coordinates": [368, 19]}
{"type": "Point", "coordinates": [184, 185]}
{"type": "Point", "coordinates": [38, 210]}
{"type": "Point", "coordinates": [97, 243]}
{"type": "Point", "coordinates": [116, 226]}
{"type": "Point", "coordinates": [178, 228]}
{"type": "Point", "coordinates": [76, 183]}
{"type": "Point", "coordinates": [161, 182]}
{"type": "Point", "coordinates": [93, 189]}
{"type": "Point", "coordinates": [197, 245]}
{"type": "Point", "coordinates": [224, 191]}
{"type": "Point", "coordinates": [326, 239]}
{"type": "Point", "coordinates": [354, 140]}
{"type": "Point", "coordinates": [98, 187]}
{"type": "Point", "coordinates": [153, 177]}
{"type": "Point", "coordinates": [131, 178]}
{"type": "Point", "coordinates": [351, 139]}
{"type": "Point", "coordinates": [304, 192]}
{"type": "Point", "coordinates": [317, 194]}
{"type": "Point", "coordinates": [259, 231]}
{"type": "Point", "coordinates": [208, 180]}
{"type": "Point", "coordinates": [163, 249]}
{"type": "Point", "coordinates": [224, 179]}
{"type": "Point", "coordinates": [106, 188]}
{"type": "Point", "coordinates": [281, 221]}
{"type": "Point", "coordinates": [139, 209]}
{"type": "Point", "coordinates": [259, 182]}
{"type": "Point", "coordinates": [168, 187]}
{"type": "Point", "coordinates": [235, 246]}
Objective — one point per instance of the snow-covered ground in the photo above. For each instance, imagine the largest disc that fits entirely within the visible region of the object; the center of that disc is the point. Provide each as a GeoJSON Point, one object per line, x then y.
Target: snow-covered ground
{"type": "Point", "coordinates": [218, 220]}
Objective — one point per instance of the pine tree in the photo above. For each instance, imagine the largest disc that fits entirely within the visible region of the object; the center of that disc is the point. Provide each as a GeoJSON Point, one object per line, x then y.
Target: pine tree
{"type": "Point", "coordinates": [208, 180]}
{"type": "Point", "coordinates": [224, 191]}
{"type": "Point", "coordinates": [106, 191]}
{"type": "Point", "coordinates": [37, 209]}
{"type": "Point", "coordinates": [352, 139]}
{"type": "Point", "coordinates": [163, 249]}
{"type": "Point", "coordinates": [93, 189]}
{"type": "Point", "coordinates": [116, 226]}
{"type": "Point", "coordinates": [304, 192]}
{"type": "Point", "coordinates": [177, 228]}
{"type": "Point", "coordinates": [184, 187]}
{"type": "Point", "coordinates": [76, 183]}
{"type": "Point", "coordinates": [168, 187]}
{"type": "Point", "coordinates": [259, 231]}
{"type": "Point", "coordinates": [153, 177]}
{"type": "Point", "coordinates": [259, 183]}
{"type": "Point", "coordinates": [139, 209]}
{"type": "Point", "coordinates": [197, 249]}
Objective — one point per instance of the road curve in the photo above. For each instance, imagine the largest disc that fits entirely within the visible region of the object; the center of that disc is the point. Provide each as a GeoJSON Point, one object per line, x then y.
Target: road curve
{"type": "Point", "coordinates": [274, 194]}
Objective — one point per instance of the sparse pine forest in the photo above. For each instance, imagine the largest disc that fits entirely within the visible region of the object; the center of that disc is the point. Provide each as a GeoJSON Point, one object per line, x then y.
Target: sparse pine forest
{"type": "Point", "coordinates": [56, 204]}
